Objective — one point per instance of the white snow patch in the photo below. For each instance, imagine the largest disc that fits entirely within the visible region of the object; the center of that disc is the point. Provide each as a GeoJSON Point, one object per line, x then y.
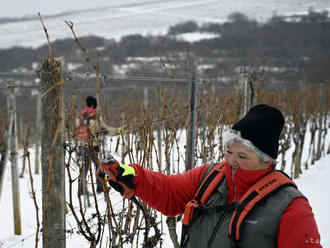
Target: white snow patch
{"type": "Point", "coordinates": [73, 66]}
{"type": "Point", "coordinates": [142, 59]}
{"type": "Point", "coordinates": [205, 67]}
{"type": "Point", "coordinates": [196, 36]}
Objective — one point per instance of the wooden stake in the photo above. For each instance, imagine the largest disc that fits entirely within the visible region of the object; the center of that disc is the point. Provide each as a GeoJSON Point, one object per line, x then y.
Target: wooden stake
{"type": "Point", "coordinates": [13, 157]}
{"type": "Point", "coordinates": [52, 162]}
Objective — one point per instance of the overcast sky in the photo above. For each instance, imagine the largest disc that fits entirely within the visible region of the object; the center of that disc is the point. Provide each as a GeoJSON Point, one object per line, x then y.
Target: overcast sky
{"type": "Point", "coordinates": [19, 8]}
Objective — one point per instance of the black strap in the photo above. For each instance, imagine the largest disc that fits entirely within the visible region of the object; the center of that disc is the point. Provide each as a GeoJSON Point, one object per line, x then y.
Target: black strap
{"type": "Point", "coordinates": [205, 185]}
{"type": "Point", "coordinates": [223, 208]}
{"type": "Point", "coordinates": [184, 236]}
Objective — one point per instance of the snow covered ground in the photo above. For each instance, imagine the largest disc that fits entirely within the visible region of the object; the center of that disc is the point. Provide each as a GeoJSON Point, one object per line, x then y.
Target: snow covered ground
{"type": "Point", "coordinates": [313, 183]}
{"type": "Point", "coordinates": [144, 17]}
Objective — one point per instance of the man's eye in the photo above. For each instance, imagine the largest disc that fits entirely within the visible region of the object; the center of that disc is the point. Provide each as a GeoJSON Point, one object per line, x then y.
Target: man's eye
{"type": "Point", "coordinates": [242, 157]}
{"type": "Point", "coordinates": [229, 152]}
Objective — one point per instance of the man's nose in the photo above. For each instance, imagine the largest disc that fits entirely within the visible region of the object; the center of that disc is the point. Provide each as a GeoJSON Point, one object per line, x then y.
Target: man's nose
{"type": "Point", "coordinates": [231, 159]}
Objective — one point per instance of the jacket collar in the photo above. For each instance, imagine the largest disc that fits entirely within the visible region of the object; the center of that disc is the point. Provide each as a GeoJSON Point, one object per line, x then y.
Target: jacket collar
{"type": "Point", "coordinates": [239, 181]}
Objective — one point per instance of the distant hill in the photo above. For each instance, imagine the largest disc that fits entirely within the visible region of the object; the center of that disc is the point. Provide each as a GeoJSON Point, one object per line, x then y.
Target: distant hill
{"type": "Point", "coordinates": [286, 51]}
{"type": "Point", "coordinates": [144, 17]}
{"type": "Point", "coordinates": [281, 52]}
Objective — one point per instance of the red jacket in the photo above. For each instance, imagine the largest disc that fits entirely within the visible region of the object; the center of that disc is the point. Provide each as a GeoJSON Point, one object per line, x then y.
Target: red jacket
{"type": "Point", "coordinates": [170, 194]}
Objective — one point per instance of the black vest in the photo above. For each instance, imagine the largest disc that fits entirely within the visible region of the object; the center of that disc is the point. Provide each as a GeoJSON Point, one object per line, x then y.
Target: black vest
{"type": "Point", "coordinates": [210, 224]}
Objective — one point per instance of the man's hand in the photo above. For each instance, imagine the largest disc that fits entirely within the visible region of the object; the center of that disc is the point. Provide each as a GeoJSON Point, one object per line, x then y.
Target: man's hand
{"type": "Point", "coordinates": [119, 176]}
{"type": "Point", "coordinates": [120, 130]}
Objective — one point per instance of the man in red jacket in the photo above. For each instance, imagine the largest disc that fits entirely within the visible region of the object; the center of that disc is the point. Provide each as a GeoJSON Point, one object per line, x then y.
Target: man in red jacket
{"type": "Point", "coordinates": [242, 202]}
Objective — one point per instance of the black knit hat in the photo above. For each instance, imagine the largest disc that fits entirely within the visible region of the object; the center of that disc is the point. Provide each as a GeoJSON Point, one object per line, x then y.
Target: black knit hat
{"type": "Point", "coordinates": [91, 102]}
{"type": "Point", "coordinates": [262, 125]}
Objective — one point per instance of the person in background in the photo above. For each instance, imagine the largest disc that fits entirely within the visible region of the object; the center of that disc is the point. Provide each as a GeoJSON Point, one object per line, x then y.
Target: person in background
{"type": "Point", "coordinates": [240, 202]}
{"type": "Point", "coordinates": [91, 129]}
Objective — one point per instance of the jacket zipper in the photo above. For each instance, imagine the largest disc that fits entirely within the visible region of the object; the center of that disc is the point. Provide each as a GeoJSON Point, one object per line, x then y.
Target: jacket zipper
{"type": "Point", "coordinates": [210, 242]}
{"type": "Point", "coordinates": [216, 228]}
{"type": "Point", "coordinates": [234, 184]}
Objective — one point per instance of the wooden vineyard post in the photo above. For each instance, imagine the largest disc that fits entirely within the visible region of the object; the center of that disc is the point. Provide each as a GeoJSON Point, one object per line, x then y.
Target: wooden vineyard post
{"type": "Point", "coordinates": [52, 159]}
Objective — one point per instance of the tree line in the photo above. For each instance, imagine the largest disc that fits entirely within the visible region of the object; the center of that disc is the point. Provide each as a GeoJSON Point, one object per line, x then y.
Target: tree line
{"type": "Point", "coordinates": [289, 49]}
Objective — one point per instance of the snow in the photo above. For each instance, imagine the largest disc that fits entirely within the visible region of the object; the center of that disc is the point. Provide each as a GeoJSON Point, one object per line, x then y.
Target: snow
{"type": "Point", "coordinates": [142, 59]}
{"type": "Point", "coordinates": [143, 17]}
{"type": "Point", "coordinates": [313, 183]}
{"type": "Point", "coordinates": [196, 36]}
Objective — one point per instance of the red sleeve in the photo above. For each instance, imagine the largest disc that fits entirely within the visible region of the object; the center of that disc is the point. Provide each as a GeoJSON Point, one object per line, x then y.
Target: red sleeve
{"type": "Point", "coordinates": [298, 228]}
{"type": "Point", "coordinates": [168, 194]}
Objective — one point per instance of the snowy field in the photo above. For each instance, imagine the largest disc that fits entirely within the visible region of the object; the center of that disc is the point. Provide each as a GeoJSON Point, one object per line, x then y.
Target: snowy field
{"type": "Point", "coordinates": [144, 17]}
{"type": "Point", "coordinates": [313, 183]}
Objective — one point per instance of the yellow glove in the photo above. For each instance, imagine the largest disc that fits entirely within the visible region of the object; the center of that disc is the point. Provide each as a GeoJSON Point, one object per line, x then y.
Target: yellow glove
{"type": "Point", "coordinates": [119, 176]}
